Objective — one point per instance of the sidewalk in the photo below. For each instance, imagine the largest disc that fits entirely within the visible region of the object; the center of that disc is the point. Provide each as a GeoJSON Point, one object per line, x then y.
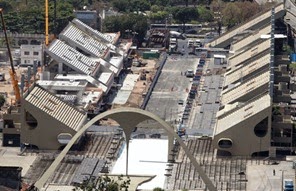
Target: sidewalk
{"type": "Point", "coordinates": [260, 177]}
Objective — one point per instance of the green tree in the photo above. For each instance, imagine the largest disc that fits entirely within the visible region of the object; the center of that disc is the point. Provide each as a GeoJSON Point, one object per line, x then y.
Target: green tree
{"type": "Point", "coordinates": [248, 9]}
{"type": "Point", "coordinates": [134, 22]}
{"type": "Point", "coordinates": [105, 183]}
{"type": "Point", "coordinates": [205, 15]}
{"type": "Point", "coordinates": [155, 8]}
{"type": "Point", "coordinates": [139, 5]}
{"type": "Point", "coordinates": [121, 5]}
{"type": "Point", "coordinates": [158, 189]}
{"type": "Point", "coordinates": [185, 14]}
{"type": "Point", "coordinates": [5, 5]}
{"type": "Point", "coordinates": [158, 16]}
{"type": "Point", "coordinates": [231, 15]}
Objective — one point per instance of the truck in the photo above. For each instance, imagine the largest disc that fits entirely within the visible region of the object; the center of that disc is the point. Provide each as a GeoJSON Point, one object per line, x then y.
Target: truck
{"type": "Point", "coordinates": [197, 43]}
{"type": "Point", "coordinates": [288, 185]}
{"type": "Point", "coordinates": [181, 131]}
{"type": "Point", "coordinates": [173, 44]}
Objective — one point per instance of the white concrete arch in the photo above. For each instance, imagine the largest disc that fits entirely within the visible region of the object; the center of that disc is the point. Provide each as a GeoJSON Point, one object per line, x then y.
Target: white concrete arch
{"type": "Point", "coordinates": [127, 118]}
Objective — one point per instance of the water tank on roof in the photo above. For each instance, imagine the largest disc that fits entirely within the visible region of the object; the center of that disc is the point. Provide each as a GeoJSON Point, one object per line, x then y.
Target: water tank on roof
{"type": "Point", "coordinates": [293, 57]}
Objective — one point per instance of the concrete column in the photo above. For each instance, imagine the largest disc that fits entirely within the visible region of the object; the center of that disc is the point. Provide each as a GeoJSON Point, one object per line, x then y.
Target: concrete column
{"type": "Point", "coordinates": [60, 68]}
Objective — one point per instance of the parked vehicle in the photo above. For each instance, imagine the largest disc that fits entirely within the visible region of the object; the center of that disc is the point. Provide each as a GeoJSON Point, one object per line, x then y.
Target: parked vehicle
{"type": "Point", "coordinates": [189, 73]}
{"type": "Point", "coordinates": [288, 185]}
{"type": "Point", "coordinates": [197, 43]}
{"type": "Point", "coordinates": [181, 130]}
{"type": "Point", "coordinates": [190, 43]}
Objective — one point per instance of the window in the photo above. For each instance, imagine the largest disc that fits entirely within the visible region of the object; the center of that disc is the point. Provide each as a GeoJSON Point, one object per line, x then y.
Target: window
{"type": "Point", "coordinates": [35, 53]}
{"type": "Point", "coordinates": [27, 53]}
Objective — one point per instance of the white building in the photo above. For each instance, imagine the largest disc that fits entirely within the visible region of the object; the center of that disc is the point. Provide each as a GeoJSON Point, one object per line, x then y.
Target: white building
{"type": "Point", "coordinates": [31, 54]}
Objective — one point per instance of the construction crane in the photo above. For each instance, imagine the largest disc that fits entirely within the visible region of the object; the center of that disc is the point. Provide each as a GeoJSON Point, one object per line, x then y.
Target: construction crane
{"type": "Point", "coordinates": [12, 72]}
{"type": "Point", "coordinates": [46, 23]}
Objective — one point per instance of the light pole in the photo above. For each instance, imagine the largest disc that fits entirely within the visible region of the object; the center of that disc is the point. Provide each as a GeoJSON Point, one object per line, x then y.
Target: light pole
{"type": "Point", "coordinates": [282, 179]}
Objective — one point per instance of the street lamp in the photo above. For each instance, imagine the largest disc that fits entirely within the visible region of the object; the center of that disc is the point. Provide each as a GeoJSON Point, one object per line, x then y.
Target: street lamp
{"type": "Point", "coordinates": [282, 179]}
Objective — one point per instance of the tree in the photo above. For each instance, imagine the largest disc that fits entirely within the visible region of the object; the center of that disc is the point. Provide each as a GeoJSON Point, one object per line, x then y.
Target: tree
{"type": "Point", "coordinates": [135, 22]}
{"type": "Point", "coordinates": [158, 16]}
{"type": "Point", "coordinates": [185, 14]}
{"type": "Point", "coordinates": [105, 183]}
{"type": "Point", "coordinates": [248, 9]}
{"type": "Point", "coordinates": [2, 100]}
{"type": "Point", "coordinates": [205, 15]}
{"type": "Point", "coordinates": [139, 5]}
{"type": "Point", "coordinates": [158, 189]}
{"type": "Point", "coordinates": [5, 5]}
{"type": "Point", "coordinates": [121, 5]}
{"type": "Point", "coordinates": [231, 15]}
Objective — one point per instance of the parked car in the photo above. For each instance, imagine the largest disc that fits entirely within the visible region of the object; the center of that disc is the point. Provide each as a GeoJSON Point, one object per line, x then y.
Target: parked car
{"type": "Point", "coordinates": [180, 102]}
{"type": "Point", "coordinates": [189, 73]}
{"type": "Point", "coordinates": [288, 185]}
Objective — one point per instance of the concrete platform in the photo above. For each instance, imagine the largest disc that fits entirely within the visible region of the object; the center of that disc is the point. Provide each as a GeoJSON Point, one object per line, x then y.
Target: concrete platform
{"type": "Point", "coordinates": [9, 157]}
{"type": "Point", "coordinates": [260, 177]}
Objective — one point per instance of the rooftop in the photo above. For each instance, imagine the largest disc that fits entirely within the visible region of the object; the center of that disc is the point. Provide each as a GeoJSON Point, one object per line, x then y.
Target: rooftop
{"type": "Point", "coordinates": [229, 118]}
{"type": "Point", "coordinates": [77, 37]}
{"type": "Point", "coordinates": [56, 108]}
{"type": "Point", "coordinates": [239, 72]}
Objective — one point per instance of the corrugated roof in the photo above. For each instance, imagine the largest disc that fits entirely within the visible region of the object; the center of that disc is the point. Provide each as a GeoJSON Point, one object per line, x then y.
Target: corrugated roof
{"type": "Point", "coordinates": [91, 31]}
{"type": "Point", "coordinates": [71, 57]}
{"type": "Point", "coordinates": [56, 108]}
{"type": "Point", "coordinates": [72, 34]}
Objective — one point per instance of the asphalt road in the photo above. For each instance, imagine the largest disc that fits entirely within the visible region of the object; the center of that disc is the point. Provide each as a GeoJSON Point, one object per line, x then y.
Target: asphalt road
{"type": "Point", "coordinates": [173, 86]}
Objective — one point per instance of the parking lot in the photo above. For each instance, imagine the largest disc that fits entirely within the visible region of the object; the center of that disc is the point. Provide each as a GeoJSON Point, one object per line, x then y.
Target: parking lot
{"type": "Point", "coordinates": [171, 91]}
{"type": "Point", "coordinates": [191, 100]}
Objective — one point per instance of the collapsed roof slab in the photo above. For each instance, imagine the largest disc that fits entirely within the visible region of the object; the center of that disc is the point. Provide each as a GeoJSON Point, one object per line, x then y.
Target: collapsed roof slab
{"type": "Point", "coordinates": [47, 121]}
{"type": "Point", "coordinates": [78, 38]}
{"type": "Point", "coordinates": [96, 74]}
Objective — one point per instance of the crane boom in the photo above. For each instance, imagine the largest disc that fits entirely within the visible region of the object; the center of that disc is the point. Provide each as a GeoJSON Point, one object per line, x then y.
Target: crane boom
{"type": "Point", "coordinates": [12, 72]}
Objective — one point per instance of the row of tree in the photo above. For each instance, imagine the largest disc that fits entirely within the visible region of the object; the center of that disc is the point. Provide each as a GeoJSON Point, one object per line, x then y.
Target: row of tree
{"type": "Point", "coordinates": [27, 16]}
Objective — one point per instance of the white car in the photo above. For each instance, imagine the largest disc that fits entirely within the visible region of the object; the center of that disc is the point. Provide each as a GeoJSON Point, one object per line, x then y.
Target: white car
{"type": "Point", "coordinates": [190, 43]}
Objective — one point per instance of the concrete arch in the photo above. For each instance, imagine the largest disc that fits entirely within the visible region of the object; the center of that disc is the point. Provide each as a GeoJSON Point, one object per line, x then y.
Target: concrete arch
{"type": "Point", "coordinates": [127, 118]}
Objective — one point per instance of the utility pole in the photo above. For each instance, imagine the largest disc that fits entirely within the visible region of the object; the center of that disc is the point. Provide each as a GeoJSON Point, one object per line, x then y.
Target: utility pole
{"type": "Point", "coordinates": [282, 179]}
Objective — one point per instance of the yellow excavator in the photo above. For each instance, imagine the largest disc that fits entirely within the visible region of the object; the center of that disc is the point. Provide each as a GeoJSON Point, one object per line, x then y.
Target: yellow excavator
{"type": "Point", "coordinates": [12, 72]}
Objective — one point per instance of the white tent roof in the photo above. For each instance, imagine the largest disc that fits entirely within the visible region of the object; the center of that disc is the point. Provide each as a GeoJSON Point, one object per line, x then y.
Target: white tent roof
{"type": "Point", "coordinates": [146, 157]}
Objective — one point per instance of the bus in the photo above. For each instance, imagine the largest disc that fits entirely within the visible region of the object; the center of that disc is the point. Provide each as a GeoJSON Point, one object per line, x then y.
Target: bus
{"type": "Point", "coordinates": [176, 27]}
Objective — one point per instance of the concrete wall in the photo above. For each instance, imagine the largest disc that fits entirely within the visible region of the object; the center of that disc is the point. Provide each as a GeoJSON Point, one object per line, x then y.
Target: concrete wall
{"type": "Point", "coordinates": [44, 136]}
{"type": "Point", "coordinates": [244, 140]}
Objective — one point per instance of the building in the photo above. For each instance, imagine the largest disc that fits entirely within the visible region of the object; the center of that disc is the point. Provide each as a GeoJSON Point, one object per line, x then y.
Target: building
{"type": "Point", "coordinates": [10, 178]}
{"type": "Point", "coordinates": [256, 106]}
{"type": "Point", "coordinates": [48, 122]}
{"type": "Point", "coordinates": [88, 17]}
{"type": "Point", "coordinates": [31, 54]}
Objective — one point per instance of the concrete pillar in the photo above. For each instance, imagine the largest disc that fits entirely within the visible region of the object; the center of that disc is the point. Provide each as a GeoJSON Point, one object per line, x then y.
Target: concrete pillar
{"type": "Point", "coordinates": [60, 68]}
